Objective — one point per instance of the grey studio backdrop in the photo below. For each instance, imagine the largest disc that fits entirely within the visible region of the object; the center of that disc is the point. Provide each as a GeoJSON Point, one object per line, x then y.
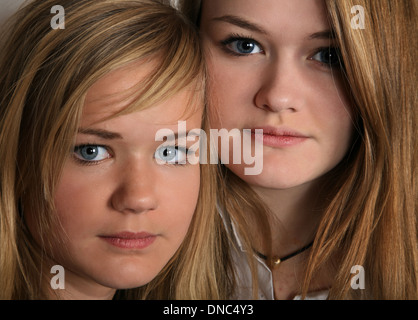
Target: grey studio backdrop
{"type": "Point", "coordinates": [8, 7]}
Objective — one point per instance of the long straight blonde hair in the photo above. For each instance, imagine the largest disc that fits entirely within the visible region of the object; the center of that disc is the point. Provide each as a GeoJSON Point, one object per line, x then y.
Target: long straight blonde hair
{"type": "Point", "coordinates": [45, 75]}
{"type": "Point", "coordinates": [370, 219]}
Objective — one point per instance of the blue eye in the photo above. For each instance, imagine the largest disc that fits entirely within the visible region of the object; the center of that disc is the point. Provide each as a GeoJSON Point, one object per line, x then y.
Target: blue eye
{"type": "Point", "coordinates": [242, 46]}
{"type": "Point", "coordinates": [171, 155]}
{"type": "Point", "coordinates": [91, 153]}
{"type": "Point", "coordinates": [329, 56]}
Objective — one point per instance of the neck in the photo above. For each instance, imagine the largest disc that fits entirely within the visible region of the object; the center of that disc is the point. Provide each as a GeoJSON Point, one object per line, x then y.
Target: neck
{"type": "Point", "coordinates": [294, 216]}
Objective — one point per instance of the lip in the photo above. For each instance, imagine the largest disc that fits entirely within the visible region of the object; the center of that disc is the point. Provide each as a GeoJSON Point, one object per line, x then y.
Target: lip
{"type": "Point", "coordinates": [130, 240]}
{"type": "Point", "coordinates": [279, 137]}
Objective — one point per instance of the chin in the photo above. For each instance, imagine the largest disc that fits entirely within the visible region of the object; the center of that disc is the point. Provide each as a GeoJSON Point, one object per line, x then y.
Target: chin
{"type": "Point", "coordinates": [126, 281]}
{"type": "Point", "coordinates": [272, 184]}
{"type": "Point", "coordinates": [126, 274]}
{"type": "Point", "coordinates": [266, 179]}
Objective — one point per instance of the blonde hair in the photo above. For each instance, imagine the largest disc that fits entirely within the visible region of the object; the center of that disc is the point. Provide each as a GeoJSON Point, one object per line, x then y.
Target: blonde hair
{"type": "Point", "coordinates": [45, 75]}
{"type": "Point", "coordinates": [371, 217]}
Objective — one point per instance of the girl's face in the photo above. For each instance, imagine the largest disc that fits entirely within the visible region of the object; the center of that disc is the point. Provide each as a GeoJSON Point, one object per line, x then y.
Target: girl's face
{"type": "Point", "coordinates": [124, 213]}
{"type": "Point", "coordinates": [273, 65]}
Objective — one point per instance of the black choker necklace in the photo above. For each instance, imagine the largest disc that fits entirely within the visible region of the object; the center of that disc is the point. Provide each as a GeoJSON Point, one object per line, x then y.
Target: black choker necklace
{"type": "Point", "coordinates": [276, 260]}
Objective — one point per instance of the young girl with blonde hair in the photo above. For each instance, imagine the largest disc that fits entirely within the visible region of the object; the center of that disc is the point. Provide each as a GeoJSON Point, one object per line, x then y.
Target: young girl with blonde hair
{"type": "Point", "coordinates": [79, 182]}
{"type": "Point", "coordinates": [332, 85]}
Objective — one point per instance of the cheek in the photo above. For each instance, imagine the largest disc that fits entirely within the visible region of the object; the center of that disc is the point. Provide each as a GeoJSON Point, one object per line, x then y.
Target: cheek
{"type": "Point", "coordinates": [339, 97]}
{"type": "Point", "coordinates": [74, 202]}
{"type": "Point", "coordinates": [229, 101]}
{"type": "Point", "coordinates": [179, 193]}
{"type": "Point", "coordinates": [216, 97]}
{"type": "Point", "coordinates": [329, 102]}
{"type": "Point", "coordinates": [178, 203]}
{"type": "Point", "coordinates": [79, 202]}
{"type": "Point", "coordinates": [335, 118]}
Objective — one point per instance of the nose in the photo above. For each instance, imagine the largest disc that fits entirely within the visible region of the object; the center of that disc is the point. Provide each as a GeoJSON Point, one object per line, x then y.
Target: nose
{"type": "Point", "coordinates": [280, 88]}
{"type": "Point", "coordinates": [136, 190]}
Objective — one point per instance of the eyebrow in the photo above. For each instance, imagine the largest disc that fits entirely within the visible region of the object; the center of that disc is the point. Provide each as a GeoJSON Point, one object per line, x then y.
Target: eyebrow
{"type": "Point", "coordinates": [189, 133]}
{"type": "Point", "coordinates": [108, 135]}
{"type": "Point", "coordinates": [327, 34]}
{"type": "Point", "coordinates": [240, 22]}
{"type": "Point", "coordinates": [104, 134]}
{"type": "Point", "coordinates": [245, 24]}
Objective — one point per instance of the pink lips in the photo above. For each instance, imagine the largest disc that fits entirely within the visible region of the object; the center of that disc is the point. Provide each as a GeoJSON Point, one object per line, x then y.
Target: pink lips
{"type": "Point", "coordinates": [279, 137]}
{"type": "Point", "coordinates": [130, 240]}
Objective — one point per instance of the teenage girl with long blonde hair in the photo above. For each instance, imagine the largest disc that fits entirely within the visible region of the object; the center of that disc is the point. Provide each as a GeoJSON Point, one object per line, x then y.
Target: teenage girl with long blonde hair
{"type": "Point", "coordinates": [332, 83]}
{"type": "Point", "coordinates": [80, 186]}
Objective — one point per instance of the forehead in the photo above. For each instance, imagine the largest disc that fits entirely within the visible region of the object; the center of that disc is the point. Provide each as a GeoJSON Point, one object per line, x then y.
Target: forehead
{"type": "Point", "coordinates": [270, 14]}
{"type": "Point", "coordinates": [113, 88]}
{"type": "Point", "coordinates": [164, 114]}
{"type": "Point", "coordinates": [120, 88]}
